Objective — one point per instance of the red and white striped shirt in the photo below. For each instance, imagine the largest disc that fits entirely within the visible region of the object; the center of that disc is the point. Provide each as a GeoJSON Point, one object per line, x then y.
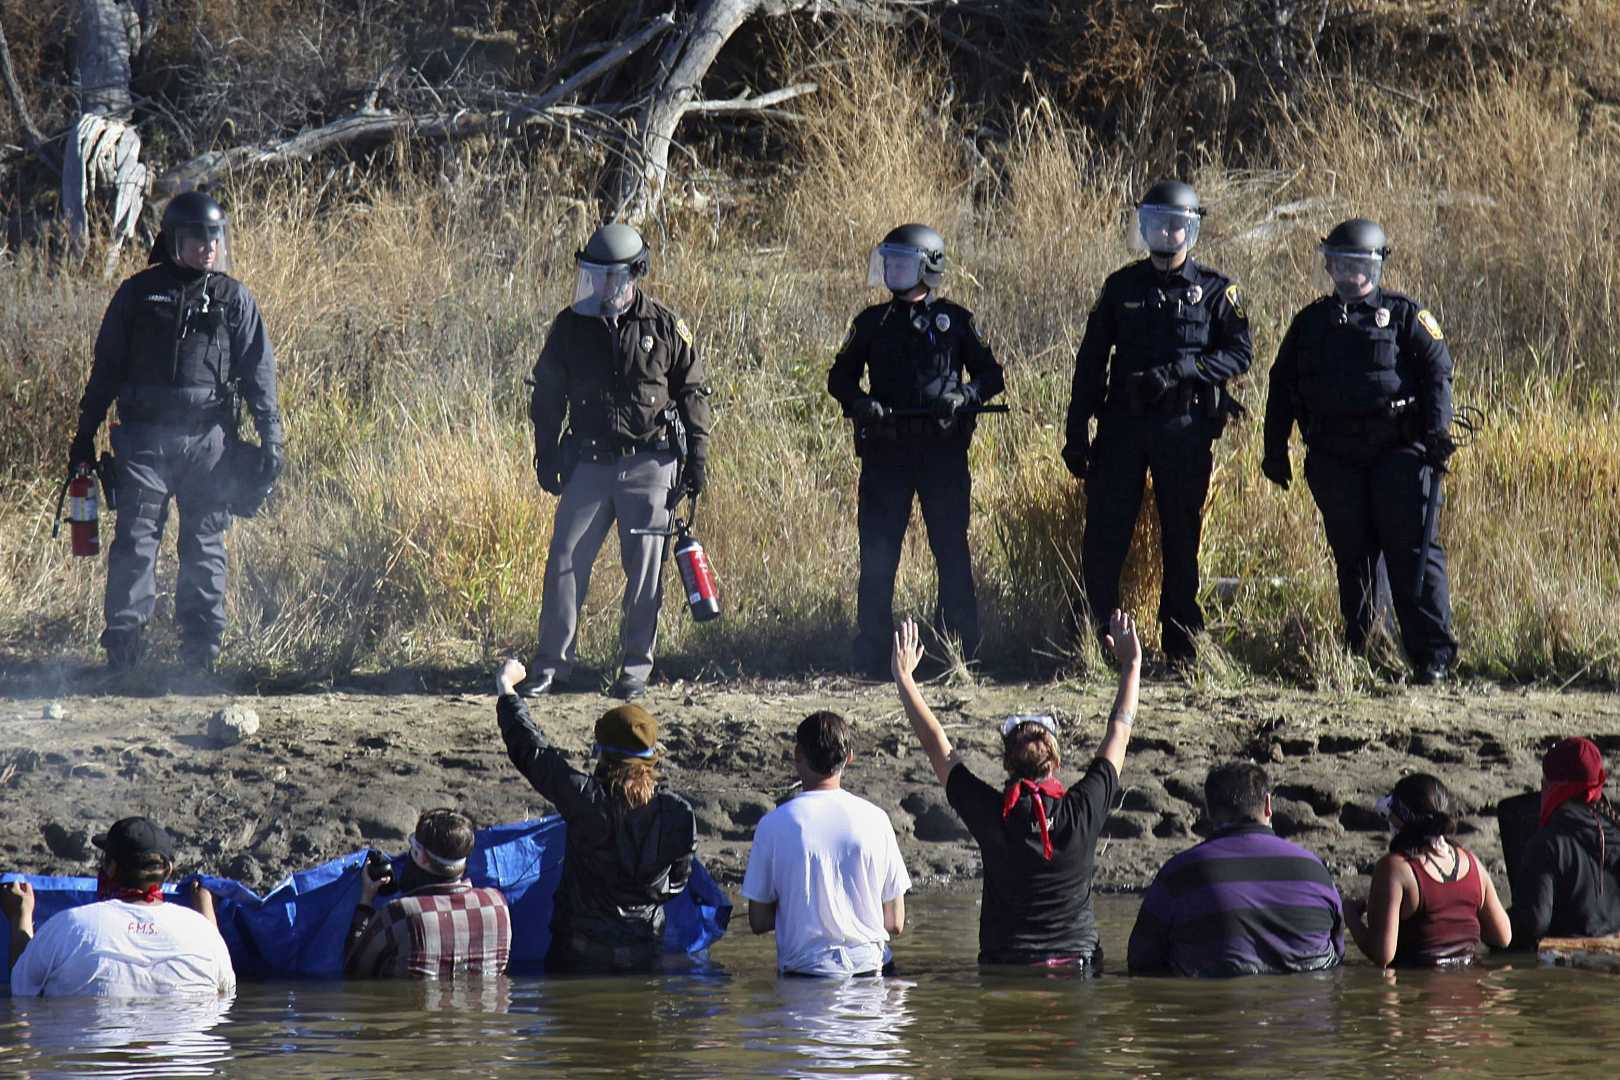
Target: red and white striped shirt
{"type": "Point", "coordinates": [434, 932]}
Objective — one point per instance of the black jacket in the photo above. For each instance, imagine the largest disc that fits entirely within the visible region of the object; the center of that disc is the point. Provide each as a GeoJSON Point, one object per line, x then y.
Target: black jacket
{"type": "Point", "coordinates": [1568, 884]}
{"type": "Point", "coordinates": [621, 865]}
{"type": "Point", "coordinates": [170, 342]}
{"type": "Point", "coordinates": [1191, 319]}
{"type": "Point", "coordinates": [1337, 363]}
{"type": "Point", "coordinates": [912, 353]}
{"type": "Point", "coordinates": [612, 380]}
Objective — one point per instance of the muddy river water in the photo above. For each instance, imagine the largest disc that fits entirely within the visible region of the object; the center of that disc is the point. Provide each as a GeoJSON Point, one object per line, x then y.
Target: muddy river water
{"type": "Point", "coordinates": [939, 1016]}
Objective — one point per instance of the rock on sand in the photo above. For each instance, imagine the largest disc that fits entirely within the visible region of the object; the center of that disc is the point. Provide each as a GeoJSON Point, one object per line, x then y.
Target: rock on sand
{"type": "Point", "coordinates": [232, 724]}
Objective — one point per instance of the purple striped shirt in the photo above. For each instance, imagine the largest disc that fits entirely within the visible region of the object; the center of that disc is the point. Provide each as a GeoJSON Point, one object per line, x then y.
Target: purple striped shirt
{"type": "Point", "coordinates": [1244, 902]}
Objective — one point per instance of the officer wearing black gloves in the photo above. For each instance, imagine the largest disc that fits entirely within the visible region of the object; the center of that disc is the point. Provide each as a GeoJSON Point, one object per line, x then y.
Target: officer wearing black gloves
{"type": "Point", "coordinates": [612, 366]}
{"type": "Point", "coordinates": [1164, 337]}
{"type": "Point", "coordinates": [913, 423]}
{"type": "Point", "coordinates": [1366, 374]}
{"type": "Point", "coordinates": [175, 339]}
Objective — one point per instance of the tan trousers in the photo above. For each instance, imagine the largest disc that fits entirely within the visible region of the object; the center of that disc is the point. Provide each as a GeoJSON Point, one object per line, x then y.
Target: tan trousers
{"type": "Point", "coordinates": [634, 491]}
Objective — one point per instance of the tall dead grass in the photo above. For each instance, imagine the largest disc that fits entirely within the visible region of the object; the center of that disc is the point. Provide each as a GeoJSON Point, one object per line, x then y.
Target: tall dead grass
{"type": "Point", "coordinates": [409, 530]}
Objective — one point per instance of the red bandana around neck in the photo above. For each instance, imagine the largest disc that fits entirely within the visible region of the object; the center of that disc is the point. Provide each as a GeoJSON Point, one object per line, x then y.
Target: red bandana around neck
{"type": "Point", "coordinates": [109, 890]}
{"type": "Point", "coordinates": [1036, 789]}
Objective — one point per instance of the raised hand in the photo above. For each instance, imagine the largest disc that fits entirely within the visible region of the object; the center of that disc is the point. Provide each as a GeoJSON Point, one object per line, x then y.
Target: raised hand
{"type": "Point", "coordinates": [1122, 640]}
{"type": "Point", "coordinates": [510, 673]}
{"type": "Point", "coordinates": [907, 652]}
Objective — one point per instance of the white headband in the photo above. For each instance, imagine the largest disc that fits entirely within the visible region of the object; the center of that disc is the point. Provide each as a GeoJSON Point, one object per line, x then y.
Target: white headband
{"type": "Point", "coordinates": [1011, 724]}
{"type": "Point", "coordinates": [434, 865]}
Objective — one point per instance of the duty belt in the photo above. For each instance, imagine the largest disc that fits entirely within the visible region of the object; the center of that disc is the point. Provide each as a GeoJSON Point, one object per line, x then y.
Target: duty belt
{"type": "Point", "coordinates": [602, 451]}
{"type": "Point", "coordinates": [192, 420]}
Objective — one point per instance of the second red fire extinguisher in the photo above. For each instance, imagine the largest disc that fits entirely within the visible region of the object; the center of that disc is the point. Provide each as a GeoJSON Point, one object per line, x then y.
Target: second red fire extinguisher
{"type": "Point", "coordinates": [79, 492]}
{"type": "Point", "coordinates": [696, 574]}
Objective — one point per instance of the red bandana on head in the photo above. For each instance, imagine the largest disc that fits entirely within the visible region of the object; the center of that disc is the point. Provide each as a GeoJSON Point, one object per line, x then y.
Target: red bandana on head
{"type": "Point", "coordinates": [1036, 789]}
{"type": "Point", "coordinates": [1572, 770]}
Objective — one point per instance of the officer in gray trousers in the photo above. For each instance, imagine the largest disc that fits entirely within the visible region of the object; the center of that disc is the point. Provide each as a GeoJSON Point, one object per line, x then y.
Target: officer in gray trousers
{"type": "Point", "coordinates": [613, 364]}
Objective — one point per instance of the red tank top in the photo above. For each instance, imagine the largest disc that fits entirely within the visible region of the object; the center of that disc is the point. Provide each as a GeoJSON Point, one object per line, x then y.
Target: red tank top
{"type": "Point", "coordinates": [1445, 926]}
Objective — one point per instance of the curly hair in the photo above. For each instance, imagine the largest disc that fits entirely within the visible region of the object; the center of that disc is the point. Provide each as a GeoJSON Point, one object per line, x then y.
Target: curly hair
{"type": "Point", "coordinates": [632, 781]}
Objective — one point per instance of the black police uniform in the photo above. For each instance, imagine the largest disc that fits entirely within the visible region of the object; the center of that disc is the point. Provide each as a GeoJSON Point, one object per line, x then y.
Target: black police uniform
{"type": "Point", "coordinates": [1191, 319]}
{"type": "Point", "coordinates": [1367, 382]}
{"type": "Point", "coordinates": [912, 353]}
{"type": "Point", "coordinates": [171, 342]}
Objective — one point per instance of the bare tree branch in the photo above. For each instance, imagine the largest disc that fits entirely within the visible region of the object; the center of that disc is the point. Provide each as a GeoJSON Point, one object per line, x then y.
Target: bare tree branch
{"type": "Point", "coordinates": [14, 91]}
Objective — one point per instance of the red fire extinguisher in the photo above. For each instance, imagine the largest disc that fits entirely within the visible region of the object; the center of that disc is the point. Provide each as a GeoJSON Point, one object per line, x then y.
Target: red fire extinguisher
{"type": "Point", "coordinates": [79, 492]}
{"type": "Point", "coordinates": [696, 574]}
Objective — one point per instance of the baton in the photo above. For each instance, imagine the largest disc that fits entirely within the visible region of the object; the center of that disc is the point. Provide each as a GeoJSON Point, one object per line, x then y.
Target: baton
{"type": "Point", "coordinates": [1431, 521]}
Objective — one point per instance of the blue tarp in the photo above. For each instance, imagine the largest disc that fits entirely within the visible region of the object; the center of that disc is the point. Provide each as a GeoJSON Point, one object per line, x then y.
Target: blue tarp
{"type": "Point", "coordinates": [298, 929]}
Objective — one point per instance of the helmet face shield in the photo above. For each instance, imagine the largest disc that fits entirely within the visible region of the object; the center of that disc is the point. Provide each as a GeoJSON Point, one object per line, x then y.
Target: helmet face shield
{"type": "Point", "coordinates": [603, 289]}
{"type": "Point", "coordinates": [1351, 274]}
{"type": "Point", "coordinates": [899, 268]}
{"type": "Point", "coordinates": [199, 246]}
{"type": "Point", "coordinates": [1163, 230]}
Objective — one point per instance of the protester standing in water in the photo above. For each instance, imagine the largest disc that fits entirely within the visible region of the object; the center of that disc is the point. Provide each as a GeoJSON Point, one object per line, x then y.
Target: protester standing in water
{"type": "Point", "coordinates": [1038, 839]}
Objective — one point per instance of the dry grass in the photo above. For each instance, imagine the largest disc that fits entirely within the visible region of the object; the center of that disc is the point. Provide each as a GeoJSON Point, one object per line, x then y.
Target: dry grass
{"type": "Point", "coordinates": [409, 530]}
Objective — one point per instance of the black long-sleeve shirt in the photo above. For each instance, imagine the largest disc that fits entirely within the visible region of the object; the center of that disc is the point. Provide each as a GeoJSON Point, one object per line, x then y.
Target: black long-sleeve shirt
{"type": "Point", "coordinates": [1568, 884]}
{"type": "Point", "coordinates": [1190, 318]}
{"type": "Point", "coordinates": [621, 865]}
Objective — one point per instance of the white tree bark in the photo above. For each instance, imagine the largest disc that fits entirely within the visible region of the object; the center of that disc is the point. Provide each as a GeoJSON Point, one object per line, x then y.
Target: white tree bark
{"type": "Point", "coordinates": [105, 150]}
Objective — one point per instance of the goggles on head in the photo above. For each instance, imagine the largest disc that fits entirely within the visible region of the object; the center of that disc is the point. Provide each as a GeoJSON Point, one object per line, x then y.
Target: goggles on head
{"type": "Point", "coordinates": [1018, 720]}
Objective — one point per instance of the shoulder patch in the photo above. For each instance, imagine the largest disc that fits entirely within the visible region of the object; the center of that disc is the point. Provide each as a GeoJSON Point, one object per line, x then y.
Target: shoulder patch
{"type": "Point", "coordinates": [684, 331]}
{"type": "Point", "coordinates": [1431, 324]}
{"type": "Point", "coordinates": [1235, 297]}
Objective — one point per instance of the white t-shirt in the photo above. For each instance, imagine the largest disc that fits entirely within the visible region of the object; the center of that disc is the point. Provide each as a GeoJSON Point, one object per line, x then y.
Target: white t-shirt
{"type": "Point", "coordinates": [829, 861]}
{"type": "Point", "coordinates": [113, 948]}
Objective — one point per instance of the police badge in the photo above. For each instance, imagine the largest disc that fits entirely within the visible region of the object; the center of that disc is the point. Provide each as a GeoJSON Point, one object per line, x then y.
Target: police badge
{"type": "Point", "coordinates": [943, 321]}
{"type": "Point", "coordinates": [1381, 317]}
{"type": "Point", "coordinates": [1195, 294]}
{"type": "Point", "coordinates": [920, 324]}
{"type": "Point", "coordinates": [647, 343]}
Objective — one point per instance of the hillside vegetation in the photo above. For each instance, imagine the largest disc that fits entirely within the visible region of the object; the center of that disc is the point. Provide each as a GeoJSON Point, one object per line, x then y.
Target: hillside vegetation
{"type": "Point", "coordinates": [408, 289]}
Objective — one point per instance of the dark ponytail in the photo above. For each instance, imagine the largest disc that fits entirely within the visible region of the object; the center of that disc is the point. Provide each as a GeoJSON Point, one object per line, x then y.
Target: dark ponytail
{"type": "Point", "coordinates": [1424, 806]}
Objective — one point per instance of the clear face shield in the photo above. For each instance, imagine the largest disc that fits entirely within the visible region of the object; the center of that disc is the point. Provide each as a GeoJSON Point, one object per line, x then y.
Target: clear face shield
{"type": "Point", "coordinates": [899, 268]}
{"type": "Point", "coordinates": [603, 289]}
{"type": "Point", "coordinates": [1350, 275]}
{"type": "Point", "coordinates": [201, 247]}
{"type": "Point", "coordinates": [1162, 230]}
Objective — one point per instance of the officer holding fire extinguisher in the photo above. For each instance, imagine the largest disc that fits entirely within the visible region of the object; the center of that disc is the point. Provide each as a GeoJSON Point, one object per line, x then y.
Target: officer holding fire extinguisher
{"type": "Point", "coordinates": [180, 343]}
{"type": "Point", "coordinates": [621, 431]}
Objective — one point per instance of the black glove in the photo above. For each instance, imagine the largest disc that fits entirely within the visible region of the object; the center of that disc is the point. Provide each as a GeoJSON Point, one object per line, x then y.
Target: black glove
{"type": "Point", "coordinates": [548, 474]}
{"type": "Point", "coordinates": [1157, 382]}
{"type": "Point", "coordinates": [697, 476]}
{"type": "Point", "coordinates": [272, 458]}
{"type": "Point", "coordinates": [1278, 470]}
{"type": "Point", "coordinates": [1438, 448]}
{"type": "Point", "coordinates": [82, 452]}
{"type": "Point", "coordinates": [946, 405]}
{"type": "Point", "coordinates": [867, 408]}
{"type": "Point", "coordinates": [1077, 456]}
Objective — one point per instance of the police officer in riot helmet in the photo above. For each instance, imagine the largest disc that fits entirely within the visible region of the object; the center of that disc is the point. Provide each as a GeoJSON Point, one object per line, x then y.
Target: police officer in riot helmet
{"type": "Point", "coordinates": [619, 395]}
{"type": "Point", "coordinates": [1366, 374]}
{"type": "Point", "coordinates": [180, 343]}
{"type": "Point", "coordinates": [927, 368]}
{"type": "Point", "coordinates": [1163, 338]}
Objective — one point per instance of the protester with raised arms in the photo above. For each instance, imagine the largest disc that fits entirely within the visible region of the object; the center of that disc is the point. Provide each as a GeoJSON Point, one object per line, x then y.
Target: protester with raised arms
{"type": "Point", "coordinates": [1038, 839]}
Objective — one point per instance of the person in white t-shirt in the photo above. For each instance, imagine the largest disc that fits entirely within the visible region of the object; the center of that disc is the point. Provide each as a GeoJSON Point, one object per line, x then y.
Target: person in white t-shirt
{"type": "Point", "coordinates": [825, 871]}
{"type": "Point", "coordinates": [128, 944]}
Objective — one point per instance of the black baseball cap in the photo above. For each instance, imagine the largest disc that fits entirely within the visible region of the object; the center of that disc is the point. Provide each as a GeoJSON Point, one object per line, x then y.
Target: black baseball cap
{"type": "Point", "coordinates": [132, 838]}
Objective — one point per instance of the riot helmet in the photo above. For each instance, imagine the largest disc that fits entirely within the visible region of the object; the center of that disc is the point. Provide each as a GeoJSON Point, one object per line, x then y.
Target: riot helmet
{"type": "Point", "coordinates": [1166, 221]}
{"type": "Point", "coordinates": [195, 234]}
{"type": "Point", "coordinates": [1353, 255]}
{"type": "Point", "coordinates": [609, 264]}
{"type": "Point", "coordinates": [909, 255]}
